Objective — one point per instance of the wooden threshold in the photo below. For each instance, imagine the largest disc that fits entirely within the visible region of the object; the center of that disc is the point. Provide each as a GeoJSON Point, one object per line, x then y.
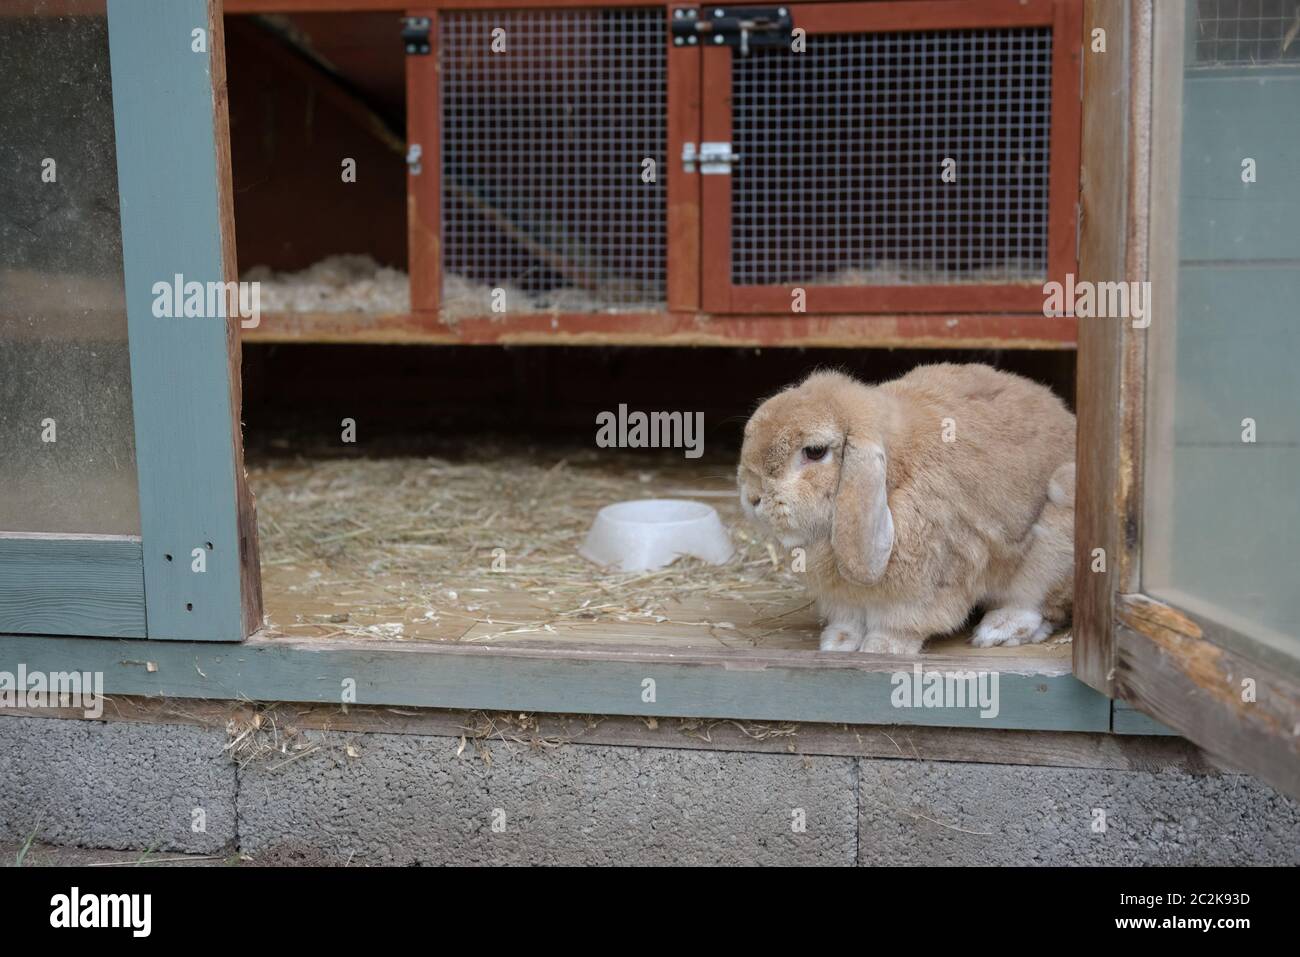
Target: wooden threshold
{"type": "Point", "coordinates": [673, 329]}
{"type": "Point", "coordinates": [1032, 694]}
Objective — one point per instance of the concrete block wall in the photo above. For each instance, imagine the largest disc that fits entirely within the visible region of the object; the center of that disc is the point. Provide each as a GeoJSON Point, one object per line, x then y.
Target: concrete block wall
{"type": "Point", "coordinates": [379, 798]}
{"type": "Point", "coordinates": [116, 785]}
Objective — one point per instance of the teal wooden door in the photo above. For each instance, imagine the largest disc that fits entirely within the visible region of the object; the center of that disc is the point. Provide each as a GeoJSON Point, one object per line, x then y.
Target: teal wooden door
{"type": "Point", "coordinates": [123, 507]}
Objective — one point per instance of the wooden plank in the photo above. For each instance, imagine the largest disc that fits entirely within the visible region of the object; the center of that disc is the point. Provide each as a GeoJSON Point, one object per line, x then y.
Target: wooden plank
{"type": "Point", "coordinates": [369, 5]}
{"type": "Point", "coordinates": [424, 189]}
{"type": "Point", "coordinates": [1200, 689]}
{"type": "Point", "coordinates": [683, 188]}
{"type": "Point", "coordinates": [72, 585]}
{"type": "Point", "coordinates": [715, 189]}
{"type": "Point", "coordinates": [1126, 719]}
{"type": "Point", "coordinates": [906, 15]}
{"type": "Point", "coordinates": [345, 6]}
{"type": "Point", "coordinates": [1065, 749]}
{"type": "Point", "coordinates": [250, 566]}
{"type": "Point", "coordinates": [1063, 165]}
{"type": "Point", "coordinates": [1137, 267]}
{"type": "Point", "coordinates": [1102, 511]}
{"type": "Point", "coordinates": [172, 155]}
{"type": "Point", "coordinates": [312, 6]}
{"type": "Point", "coordinates": [954, 331]}
{"type": "Point", "coordinates": [52, 8]}
{"type": "Point", "coordinates": [823, 17]}
{"type": "Point", "coordinates": [744, 685]}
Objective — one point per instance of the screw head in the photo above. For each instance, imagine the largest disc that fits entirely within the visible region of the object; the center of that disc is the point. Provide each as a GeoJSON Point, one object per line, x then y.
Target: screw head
{"type": "Point", "coordinates": [717, 39]}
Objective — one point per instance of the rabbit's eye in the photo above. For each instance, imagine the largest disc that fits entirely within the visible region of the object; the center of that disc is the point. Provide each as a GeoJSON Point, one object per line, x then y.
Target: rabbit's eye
{"type": "Point", "coordinates": [814, 453]}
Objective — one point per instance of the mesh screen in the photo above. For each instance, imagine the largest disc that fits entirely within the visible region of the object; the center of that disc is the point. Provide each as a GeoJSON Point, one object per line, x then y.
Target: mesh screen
{"type": "Point", "coordinates": [841, 151]}
{"type": "Point", "coordinates": [543, 148]}
{"type": "Point", "coordinates": [1247, 32]}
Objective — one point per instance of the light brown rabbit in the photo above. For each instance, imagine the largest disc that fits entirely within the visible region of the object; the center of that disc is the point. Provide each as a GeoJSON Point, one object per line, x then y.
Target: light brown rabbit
{"type": "Point", "coordinates": [918, 500]}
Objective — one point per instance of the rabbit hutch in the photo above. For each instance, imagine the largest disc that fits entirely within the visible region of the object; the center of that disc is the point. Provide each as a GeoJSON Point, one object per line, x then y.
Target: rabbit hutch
{"type": "Point", "coordinates": [449, 240]}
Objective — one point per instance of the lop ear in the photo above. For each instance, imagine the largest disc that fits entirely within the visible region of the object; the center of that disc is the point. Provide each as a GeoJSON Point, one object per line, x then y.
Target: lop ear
{"type": "Point", "coordinates": [862, 530]}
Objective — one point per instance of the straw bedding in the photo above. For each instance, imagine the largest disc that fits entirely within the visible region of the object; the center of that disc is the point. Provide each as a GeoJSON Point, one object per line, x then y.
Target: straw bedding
{"type": "Point", "coordinates": [485, 547]}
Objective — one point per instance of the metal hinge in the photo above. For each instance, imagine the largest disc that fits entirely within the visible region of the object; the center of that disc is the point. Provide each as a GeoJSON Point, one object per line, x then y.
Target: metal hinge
{"type": "Point", "coordinates": [743, 28]}
{"type": "Point", "coordinates": [413, 154]}
{"type": "Point", "coordinates": [415, 35]}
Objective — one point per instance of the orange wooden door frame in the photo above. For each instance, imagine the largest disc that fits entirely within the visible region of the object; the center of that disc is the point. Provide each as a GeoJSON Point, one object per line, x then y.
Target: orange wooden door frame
{"type": "Point", "coordinates": [721, 295]}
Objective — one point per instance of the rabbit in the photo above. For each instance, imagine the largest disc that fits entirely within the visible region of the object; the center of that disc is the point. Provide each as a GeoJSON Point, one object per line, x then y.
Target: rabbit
{"type": "Point", "coordinates": [919, 500]}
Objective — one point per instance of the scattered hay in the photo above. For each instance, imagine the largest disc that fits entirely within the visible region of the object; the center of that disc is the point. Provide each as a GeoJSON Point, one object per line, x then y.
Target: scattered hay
{"type": "Point", "coordinates": [402, 548]}
{"type": "Point", "coordinates": [348, 283]}
{"type": "Point", "coordinates": [892, 273]}
{"type": "Point", "coordinates": [702, 729]}
{"type": "Point", "coordinates": [483, 549]}
{"type": "Point", "coordinates": [357, 283]}
{"type": "Point", "coordinates": [464, 299]}
{"type": "Point", "coordinates": [266, 737]}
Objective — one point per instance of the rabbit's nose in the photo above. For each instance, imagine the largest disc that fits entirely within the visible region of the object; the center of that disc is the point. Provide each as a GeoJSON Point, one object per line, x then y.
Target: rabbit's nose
{"type": "Point", "coordinates": [755, 500]}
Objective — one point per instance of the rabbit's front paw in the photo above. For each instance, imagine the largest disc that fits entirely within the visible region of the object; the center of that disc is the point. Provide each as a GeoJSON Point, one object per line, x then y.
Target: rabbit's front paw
{"type": "Point", "coordinates": [1010, 627]}
{"type": "Point", "coordinates": [840, 638]}
{"type": "Point", "coordinates": [882, 644]}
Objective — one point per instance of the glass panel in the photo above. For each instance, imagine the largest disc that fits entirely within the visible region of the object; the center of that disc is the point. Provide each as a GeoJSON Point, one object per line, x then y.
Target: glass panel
{"type": "Point", "coordinates": [1222, 477]}
{"type": "Point", "coordinates": [67, 448]}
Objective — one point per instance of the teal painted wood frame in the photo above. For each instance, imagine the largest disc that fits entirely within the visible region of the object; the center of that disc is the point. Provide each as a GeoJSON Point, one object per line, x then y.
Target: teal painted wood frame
{"type": "Point", "coordinates": [748, 685]}
{"type": "Point", "coordinates": [177, 227]}
{"type": "Point", "coordinates": [192, 574]}
{"type": "Point", "coordinates": [1126, 719]}
{"type": "Point", "coordinates": [72, 584]}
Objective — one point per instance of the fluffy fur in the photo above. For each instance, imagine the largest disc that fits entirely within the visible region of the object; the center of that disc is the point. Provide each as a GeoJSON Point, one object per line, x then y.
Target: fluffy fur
{"type": "Point", "coordinates": [947, 489]}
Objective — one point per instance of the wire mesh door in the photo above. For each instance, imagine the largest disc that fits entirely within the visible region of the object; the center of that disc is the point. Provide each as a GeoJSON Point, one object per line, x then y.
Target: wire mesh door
{"type": "Point", "coordinates": [892, 157]}
{"type": "Point", "coordinates": [544, 132]}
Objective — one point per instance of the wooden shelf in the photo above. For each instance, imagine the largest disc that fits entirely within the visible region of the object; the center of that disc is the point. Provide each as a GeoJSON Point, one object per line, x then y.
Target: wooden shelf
{"type": "Point", "coordinates": [673, 329]}
{"type": "Point", "coordinates": [402, 6]}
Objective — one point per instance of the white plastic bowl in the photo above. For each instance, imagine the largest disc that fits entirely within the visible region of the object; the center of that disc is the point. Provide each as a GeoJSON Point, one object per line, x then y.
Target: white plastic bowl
{"type": "Point", "coordinates": [650, 533]}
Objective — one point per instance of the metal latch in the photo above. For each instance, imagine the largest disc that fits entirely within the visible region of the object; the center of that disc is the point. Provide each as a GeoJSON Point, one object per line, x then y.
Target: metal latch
{"type": "Point", "coordinates": [743, 28]}
{"type": "Point", "coordinates": [713, 158]}
{"type": "Point", "coordinates": [415, 35]}
{"type": "Point", "coordinates": [716, 159]}
{"type": "Point", "coordinates": [689, 157]}
{"type": "Point", "coordinates": [413, 154]}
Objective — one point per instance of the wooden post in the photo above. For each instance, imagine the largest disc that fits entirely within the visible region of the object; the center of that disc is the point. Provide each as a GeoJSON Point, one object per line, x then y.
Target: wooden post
{"type": "Point", "coordinates": [196, 515]}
